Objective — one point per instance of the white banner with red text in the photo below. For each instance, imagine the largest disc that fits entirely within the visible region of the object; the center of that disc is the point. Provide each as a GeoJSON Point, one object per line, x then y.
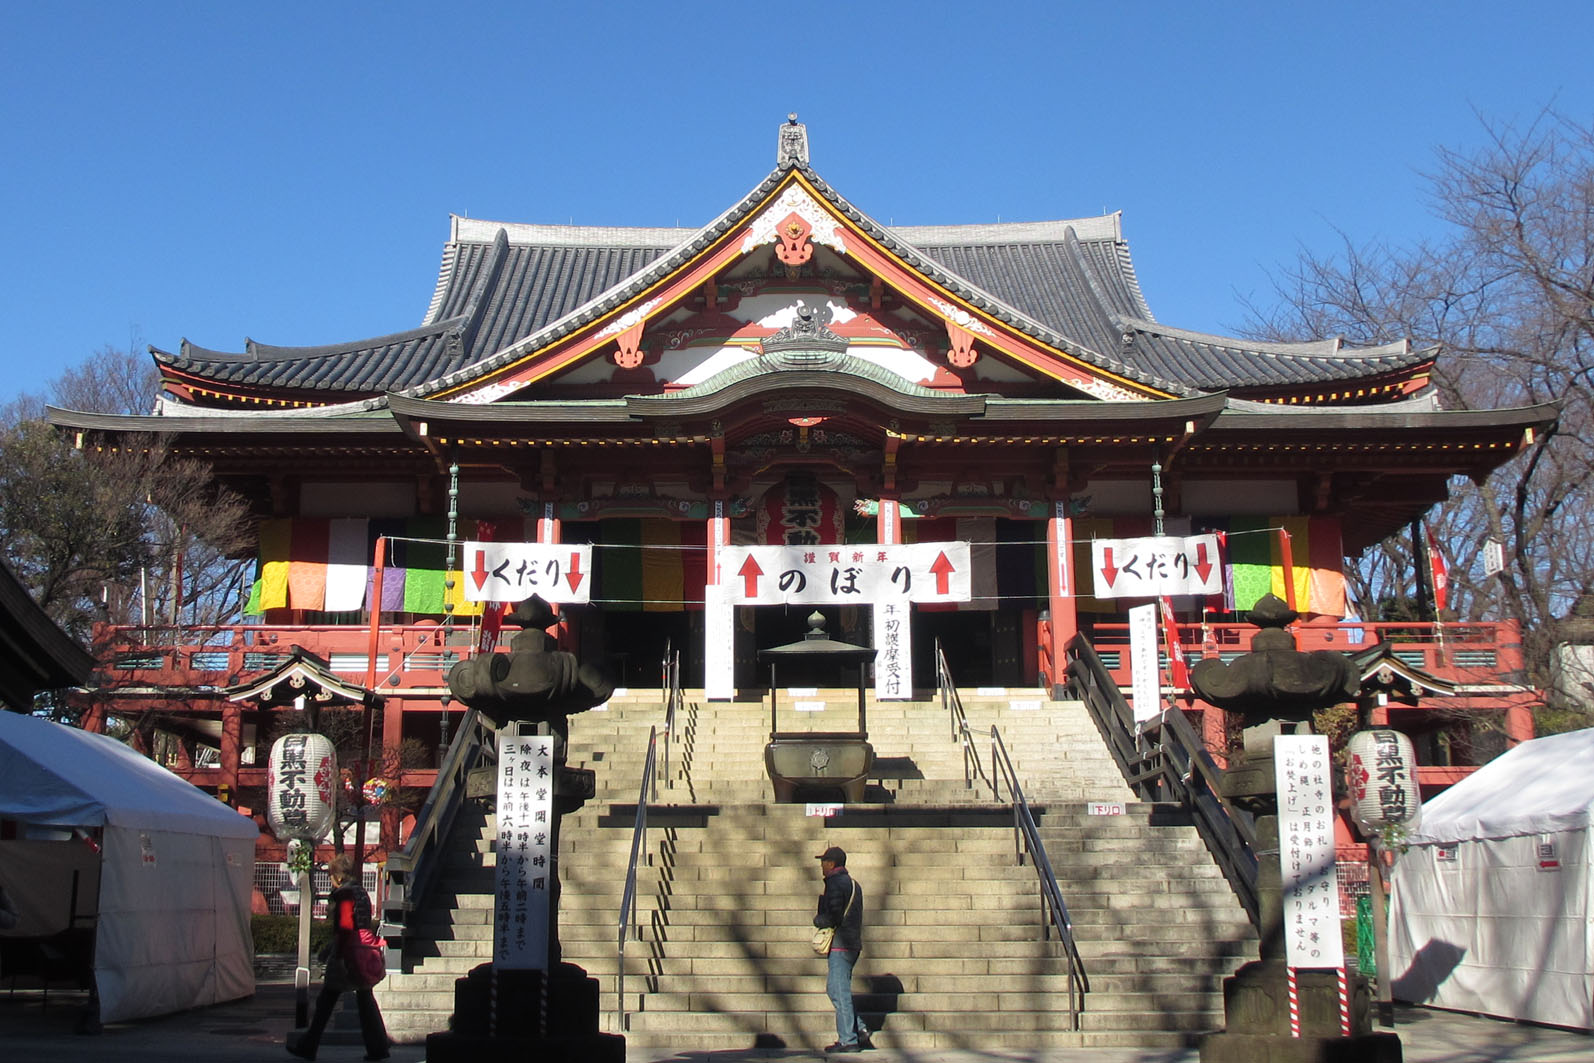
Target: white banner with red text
{"type": "Point", "coordinates": [1158, 565]}
{"type": "Point", "coordinates": [862, 574]}
{"type": "Point", "coordinates": [560, 574]}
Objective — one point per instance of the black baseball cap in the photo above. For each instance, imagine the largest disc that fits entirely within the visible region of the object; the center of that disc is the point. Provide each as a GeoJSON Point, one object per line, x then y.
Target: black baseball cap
{"type": "Point", "coordinates": [835, 854]}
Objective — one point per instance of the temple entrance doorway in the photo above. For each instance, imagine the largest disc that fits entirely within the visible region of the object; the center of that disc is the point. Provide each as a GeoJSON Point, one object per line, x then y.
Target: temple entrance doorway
{"type": "Point", "coordinates": [634, 644]}
{"type": "Point", "coordinates": [983, 647]}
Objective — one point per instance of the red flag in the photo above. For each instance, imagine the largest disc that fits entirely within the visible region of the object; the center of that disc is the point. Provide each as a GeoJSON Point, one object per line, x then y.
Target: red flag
{"type": "Point", "coordinates": [1178, 670]}
{"type": "Point", "coordinates": [1223, 601]}
{"type": "Point", "coordinates": [1439, 574]}
{"type": "Point", "coordinates": [492, 612]}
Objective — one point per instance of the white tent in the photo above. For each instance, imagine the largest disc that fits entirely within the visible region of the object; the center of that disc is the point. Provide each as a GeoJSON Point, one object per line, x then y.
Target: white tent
{"type": "Point", "coordinates": [1493, 903]}
{"type": "Point", "coordinates": [175, 870]}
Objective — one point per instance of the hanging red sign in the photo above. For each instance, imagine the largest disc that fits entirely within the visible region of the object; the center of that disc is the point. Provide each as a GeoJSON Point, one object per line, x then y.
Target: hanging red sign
{"type": "Point", "coordinates": [799, 512]}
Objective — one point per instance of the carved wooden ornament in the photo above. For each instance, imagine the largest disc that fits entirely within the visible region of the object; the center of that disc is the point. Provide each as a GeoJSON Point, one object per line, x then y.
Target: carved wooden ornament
{"type": "Point", "coordinates": [792, 246]}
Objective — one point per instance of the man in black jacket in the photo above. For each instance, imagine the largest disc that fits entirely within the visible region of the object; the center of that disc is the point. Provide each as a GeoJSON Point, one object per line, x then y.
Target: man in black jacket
{"type": "Point", "coordinates": [841, 907]}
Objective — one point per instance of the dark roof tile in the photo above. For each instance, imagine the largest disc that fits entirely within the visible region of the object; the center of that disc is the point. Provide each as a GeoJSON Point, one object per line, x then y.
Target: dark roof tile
{"type": "Point", "coordinates": [505, 287]}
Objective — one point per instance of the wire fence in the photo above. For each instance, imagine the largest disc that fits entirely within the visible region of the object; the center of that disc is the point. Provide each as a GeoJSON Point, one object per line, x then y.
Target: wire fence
{"type": "Point", "coordinates": [281, 893]}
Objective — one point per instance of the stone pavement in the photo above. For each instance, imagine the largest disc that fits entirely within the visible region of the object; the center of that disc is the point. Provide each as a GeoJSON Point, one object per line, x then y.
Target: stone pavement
{"type": "Point", "coordinates": [32, 1031]}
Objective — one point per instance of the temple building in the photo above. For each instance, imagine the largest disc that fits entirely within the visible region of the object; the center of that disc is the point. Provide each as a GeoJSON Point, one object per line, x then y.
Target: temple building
{"type": "Point", "coordinates": [793, 372]}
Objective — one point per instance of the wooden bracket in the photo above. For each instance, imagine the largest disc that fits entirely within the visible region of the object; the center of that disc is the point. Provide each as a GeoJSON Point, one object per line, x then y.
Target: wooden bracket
{"type": "Point", "coordinates": [960, 351]}
{"type": "Point", "coordinates": [628, 352]}
{"type": "Point", "coordinates": [888, 473]}
{"type": "Point", "coordinates": [547, 473]}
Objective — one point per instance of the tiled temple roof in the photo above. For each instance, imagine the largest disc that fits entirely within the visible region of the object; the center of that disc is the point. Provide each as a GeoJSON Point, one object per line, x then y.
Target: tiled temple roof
{"type": "Point", "coordinates": [504, 289]}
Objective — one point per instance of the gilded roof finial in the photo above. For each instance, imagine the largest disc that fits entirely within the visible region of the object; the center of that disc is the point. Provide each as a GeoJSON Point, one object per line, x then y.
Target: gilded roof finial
{"type": "Point", "coordinates": [792, 147]}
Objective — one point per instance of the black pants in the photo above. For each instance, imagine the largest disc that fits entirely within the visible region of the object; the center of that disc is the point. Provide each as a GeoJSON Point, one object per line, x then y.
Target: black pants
{"type": "Point", "coordinates": [371, 1028]}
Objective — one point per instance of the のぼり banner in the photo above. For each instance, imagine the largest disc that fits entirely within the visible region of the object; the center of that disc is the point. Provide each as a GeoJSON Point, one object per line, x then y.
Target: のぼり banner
{"type": "Point", "coordinates": [846, 575]}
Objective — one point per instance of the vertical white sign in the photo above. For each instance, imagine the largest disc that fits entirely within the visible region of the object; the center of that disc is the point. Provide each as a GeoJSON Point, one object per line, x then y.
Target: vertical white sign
{"type": "Point", "coordinates": [1145, 675]}
{"type": "Point", "coordinates": [893, 661]}
{"type": "Point", "coordinates": [719, 644]}
{"type": "Point", "coordinates": [1060, 554]}
{"type": "Point", "coordinates": [524, 882]}
{"type": "Point", "coordinates": [1306, 851]}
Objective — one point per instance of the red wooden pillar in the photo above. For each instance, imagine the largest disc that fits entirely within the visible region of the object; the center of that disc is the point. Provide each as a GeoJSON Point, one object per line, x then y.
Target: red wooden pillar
{"type": "Point", "coordinates": [232, 731]}
{"type": "Point", "coordinates": [1508, 662]}
{"type": "Point", "coordinates": [1519, 724]}
{"type": "Point", "coordinates": [1064, 623]}
{"type": "Point", "coordinates": [94, 719]}
{"type": "Point", "coordinates": [392, 738]}
{"type": "Point", "coordinates": [1214, 731]}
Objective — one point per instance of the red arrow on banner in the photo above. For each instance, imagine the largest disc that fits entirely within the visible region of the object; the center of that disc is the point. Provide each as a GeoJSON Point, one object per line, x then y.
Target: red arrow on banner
{"type": "Point", "coordinates": [750, 573]}
{"type": "Point", "coordinates": [575, 575]}
{"type": "Point", "coordinates": [942, 570]}
{"type": "Point", "coordinates": [479, 573]}
{"type": "Point", "coordinates": [1202, 565]}
{"type": "Point", "coordinates": [1108, 569]}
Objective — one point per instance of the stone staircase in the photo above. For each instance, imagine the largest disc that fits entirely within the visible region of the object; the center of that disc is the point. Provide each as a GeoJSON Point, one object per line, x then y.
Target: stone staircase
{"type": "Point", "coordinates": [954, 954]}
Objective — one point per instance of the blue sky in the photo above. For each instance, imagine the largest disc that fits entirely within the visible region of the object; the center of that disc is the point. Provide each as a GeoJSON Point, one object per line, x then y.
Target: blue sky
{"type": "Point", "coordinates": [286, 171]}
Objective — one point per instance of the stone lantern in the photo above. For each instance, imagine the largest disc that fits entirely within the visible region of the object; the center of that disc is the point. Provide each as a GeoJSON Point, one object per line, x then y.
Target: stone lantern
{"type": "Point", "coordinates": [1276, 688]}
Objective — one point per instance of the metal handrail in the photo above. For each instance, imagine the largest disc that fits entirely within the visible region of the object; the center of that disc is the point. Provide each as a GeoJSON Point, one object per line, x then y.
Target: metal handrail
{"type": "Point", "coordinates": [670, 674]}
{"type": "Point", "coordinates": [961, 734]}
{"type": "Point", "coordinates": [1167, 761]}
{"type": "Point", "coordinates": [1026, 834]}
{"type": "Point", "coordinates": [411, 871]}
{"type": "Point", "coordinates": [639, 833]}
{"type": "Point", "coordinates": [670, 695]}
{"type": "Point", "coordinates": [1051, 892]}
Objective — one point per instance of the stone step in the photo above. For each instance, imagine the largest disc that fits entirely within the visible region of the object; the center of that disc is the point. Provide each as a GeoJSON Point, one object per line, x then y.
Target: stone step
{"type": "Point", "coordinates": [788, 938]}
{"type": "Point", "coordinates": [658, 1044]}
{"type": "Point", "coordinates": [727, 890]}
{"type": "Point", "coordinates": [950, 977]}
{"type": "Point", "coordinates": [1100, 964]}
{"type": "Point", "coordinates": [820, 1023]}
{"type": "Point", "coordinates": [994, 995]}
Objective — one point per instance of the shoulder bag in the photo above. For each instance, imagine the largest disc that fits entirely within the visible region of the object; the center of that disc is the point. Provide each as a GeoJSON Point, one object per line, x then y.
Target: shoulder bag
{"type": "Point", "coordinates": [368, 964]}
{"type": "Point", "coordinates": [826, 934]}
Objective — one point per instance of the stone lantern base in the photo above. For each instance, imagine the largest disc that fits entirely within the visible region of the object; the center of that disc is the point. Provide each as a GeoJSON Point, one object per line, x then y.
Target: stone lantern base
{"type": "Point", "coordinates": [1256, 1011]}
{"type": "Point", "coordinates": [572, 1029]}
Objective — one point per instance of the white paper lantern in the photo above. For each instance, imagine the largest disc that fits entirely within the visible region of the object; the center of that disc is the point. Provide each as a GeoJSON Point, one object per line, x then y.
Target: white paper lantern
{"type": "Point", "coordinates": [302, 783]}
{"type": "Point", "coordinates": [1381, 775]}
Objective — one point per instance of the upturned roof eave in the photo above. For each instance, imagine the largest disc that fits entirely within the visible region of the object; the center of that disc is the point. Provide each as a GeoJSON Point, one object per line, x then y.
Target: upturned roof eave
{"type": "Point", "coordinates": [1201, 408]}
{"type": "Point", "coordinates": [1401, 352]}
{"type": "Point", "coordinates": [1520, 417]}
{"type": "Point", "coordinates": [602, 411]}
{"type": "Point", "coordinates": [42, 656]}
{"type": "Point", "coordinates": [254, 353]}
{"type": "Point", "coordinates": [376, 421]}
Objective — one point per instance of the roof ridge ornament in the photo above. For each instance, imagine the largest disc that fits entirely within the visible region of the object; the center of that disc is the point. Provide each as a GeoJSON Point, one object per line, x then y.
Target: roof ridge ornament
{"type": "Point", "coordinates": [806, 343]}
{"type": "Point", "coordinates": [791, 148]}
